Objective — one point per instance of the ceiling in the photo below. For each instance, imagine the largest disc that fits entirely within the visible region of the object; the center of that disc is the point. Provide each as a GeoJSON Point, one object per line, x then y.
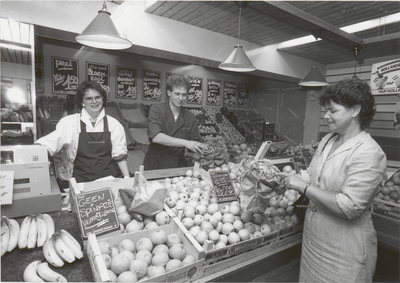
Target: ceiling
{"type": "Point", "coordinates": [266, 23]}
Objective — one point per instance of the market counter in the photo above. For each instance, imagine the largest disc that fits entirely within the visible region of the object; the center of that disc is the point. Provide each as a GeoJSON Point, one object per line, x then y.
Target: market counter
{"type": "Point", "coordinates": [13, 263]}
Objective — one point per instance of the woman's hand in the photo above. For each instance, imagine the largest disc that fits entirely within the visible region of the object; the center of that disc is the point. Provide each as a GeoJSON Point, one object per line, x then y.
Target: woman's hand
{"type": "Point", "coordinates": [295, 182]}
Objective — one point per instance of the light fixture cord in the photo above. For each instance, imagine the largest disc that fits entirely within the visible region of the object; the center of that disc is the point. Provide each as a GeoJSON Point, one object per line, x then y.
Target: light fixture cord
{"type": "Point", "coordinates": [240, 15]}
{"type": "Point", "coordinates": [104, 6]}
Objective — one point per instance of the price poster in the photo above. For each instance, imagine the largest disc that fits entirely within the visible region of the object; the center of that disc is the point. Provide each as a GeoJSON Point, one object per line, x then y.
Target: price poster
{"type": "Point", "coordinates": [96, 212]}
{"type": "Point", "coordinates": [126, 83]}
{"type": "Point", "coordinates": [39, 73]}
{"type": "Point", "coordinates": [213, 92]}
{"type": "Point", "coordinates": [230, 94]}
{"type": "Point", "coordinates": [99, 73]}
{"type": "Point", "coordinates": [244, 97]}
{"type": "Point", "coordinates": [151, 85]}
{"type": "Point", "coordinates": [65, 75]}
{"type": "Point", "coordinates": [223, 185]}
{"type": "Point", "coordinates": [195, 95]}
{"type": "Point", "coordinates": [6, 185]}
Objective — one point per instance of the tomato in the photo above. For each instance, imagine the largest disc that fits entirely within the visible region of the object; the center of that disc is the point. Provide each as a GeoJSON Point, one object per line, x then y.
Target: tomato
{"type": "Point", "coordinates": [396, 180]}
{"type": "Point", "coordinates": [385, 190]}
{"type": "Point", "coordinates": [394, 195]}
{"type": "Point", "coordinates": [287, 169]}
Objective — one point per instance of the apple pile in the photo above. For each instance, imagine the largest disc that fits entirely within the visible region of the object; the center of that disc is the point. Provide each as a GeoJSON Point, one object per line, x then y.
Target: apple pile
{"type": "Point", "coordinates": [391, 190]}
{"type": "Point", "coordinates": [147, 257]}
{"type": "Point", "coordinates": [207, 129]}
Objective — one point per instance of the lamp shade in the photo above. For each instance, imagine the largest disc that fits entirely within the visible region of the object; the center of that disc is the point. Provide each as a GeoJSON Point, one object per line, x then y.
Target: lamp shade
{"type": "Point", "coordinates": [102, 33]}
{"type": "Point", "coordinates": [314, 78]}
{"type": "Point", "coordinates": [237, 61]}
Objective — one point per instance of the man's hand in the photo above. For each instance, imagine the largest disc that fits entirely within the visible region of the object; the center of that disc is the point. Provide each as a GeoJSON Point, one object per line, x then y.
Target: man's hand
{"type": "Point", "coordinates": [196, 146]}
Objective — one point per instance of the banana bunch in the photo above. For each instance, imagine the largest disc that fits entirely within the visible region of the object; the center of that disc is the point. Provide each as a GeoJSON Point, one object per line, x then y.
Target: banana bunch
{"type": "Point", "coordinates": [38, 271]}
{"type": "Point", "coordinates": [35, 230]}
{"type": "Point", "coordinates": [60, 247]}
{"type": "Point", "coordinates": [9, 234]}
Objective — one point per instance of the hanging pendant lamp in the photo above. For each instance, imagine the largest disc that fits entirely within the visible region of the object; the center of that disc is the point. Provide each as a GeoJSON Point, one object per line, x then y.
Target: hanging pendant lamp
{"type": "Point", "coordinates": [238, 61]}
{"type": "Point", "coordinates": [356, 51]}
{"type": "Point", "coordinates": [102, 33]}
{"type": "Point", "coordinates": [314, 78]}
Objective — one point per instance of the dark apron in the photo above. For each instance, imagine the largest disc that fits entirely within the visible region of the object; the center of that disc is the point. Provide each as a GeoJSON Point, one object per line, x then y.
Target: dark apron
{"type": "Point", "coordinates": [93, 159]}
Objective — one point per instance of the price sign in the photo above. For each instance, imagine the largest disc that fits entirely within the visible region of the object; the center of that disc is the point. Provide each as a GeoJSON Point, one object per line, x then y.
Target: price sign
{"type": "Point", "coordinates": [151, 85]}
{"type": "Point", "coordinates": [213, 92]}
{"type": "Point", "coordinates": [99, 73]}
{"type": "Point", "coordinates": [223, 185]}
{"type": "Point", "coordinates": [96, 212]}
{"type": "Point", "coordinates": [6, 186]}
{"type": "Point", "coordinates": [126, 83]}
{"type": "Point", "coordinates": [195, 95]}
{"type": "Point", "coordinates": [230, 94]}
{"type": "Point", "coordinates": [65, 75]}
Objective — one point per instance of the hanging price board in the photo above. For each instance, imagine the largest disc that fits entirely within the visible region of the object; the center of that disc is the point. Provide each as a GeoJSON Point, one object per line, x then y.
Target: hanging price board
{"type": "Point", "coordinates": [99, 73]}
{"type": "Point", "coordinates": [126, 83]}
{"type": "Point", "coordinates": [230, 94]}
{"type": "Point", "coordinates": [151, 85]}
{"type": "Point", "coordinates": [195, 95]}
{"type": "Point", "coordinates": [96, 212]}
{"type": "Point", "coordinates": [244, 97]}
{"type": "Point", "coordinates": [65, 75]}
{"type": "Point", "coordinates": [223, 185]}
{"type": "Point", "coordinates": [213, 92]}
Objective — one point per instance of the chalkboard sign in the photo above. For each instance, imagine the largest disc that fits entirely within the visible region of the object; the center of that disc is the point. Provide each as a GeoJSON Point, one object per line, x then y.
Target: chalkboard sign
{"type": "Point", "coordinates": [223, 185]}
{"type": "Point", "coordinates": [230, 94]}
{"type": "Point", "coordinates": [96, 212]}
{"type": "Point", "coordinates": [126, 83]}
{"type": "Point", "coordinates": [65, 75]}
{"type": "Point", "coordinates": [244, 98]}
{"type": "Point", "coordinates": [151, 85]}
{"type": "Point", "coordinates": [99, 73]}
{"type": "Point", "coordinates": [39, 73]}
{"type": "Point", "coordinates": [195, 95]}
{"type": "Point", "coordinates": [213, 92]}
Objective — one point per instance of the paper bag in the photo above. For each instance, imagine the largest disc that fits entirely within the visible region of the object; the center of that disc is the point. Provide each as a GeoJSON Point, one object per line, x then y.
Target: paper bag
{"type": "Point", "coordinates": [149, 198]}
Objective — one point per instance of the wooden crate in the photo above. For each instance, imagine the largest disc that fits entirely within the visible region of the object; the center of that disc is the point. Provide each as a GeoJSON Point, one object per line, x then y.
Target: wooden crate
{"type": "Point", "coordinates": [386, 209]}
{"type": "Point", "coordinates": [188, 273]}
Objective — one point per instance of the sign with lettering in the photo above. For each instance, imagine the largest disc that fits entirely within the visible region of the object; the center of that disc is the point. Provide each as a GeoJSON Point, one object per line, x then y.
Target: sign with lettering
{"type": "Point", "coordinates": [99, 73]}
{"type": "Point", "coordinates": [151, 85]}
{"type": "Point", "coordinates": [96, 212]}
{"type": "Point", "coordinates": [195, 95]}
{"type": "Point", "coordinates": [385, 78]}
{"type": "Point", "coordinates": [244, 97]}
{"type": "Point", "coordinates": [39, 73]}
{"type": "Point", "coordinates": [230, 94]}
{"type": "Point", "coordinates": [65, 75]}
{"type": "Point", "coordinates": [126, 83]}
{"type": "Point", "coordinates": [213, 92]}
{"type": "Point", "coordinates": [223, 185]}
{"type": "Point", "coordinates": [6, 185]}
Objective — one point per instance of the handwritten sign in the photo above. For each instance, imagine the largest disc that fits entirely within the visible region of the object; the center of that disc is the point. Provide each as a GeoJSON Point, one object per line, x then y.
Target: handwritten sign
{"type": "Point", "coordinates": [195, 95]}
{"type": "Point", "coordinates": [99, 73]}
{"type": "Point", "coordinates": [223, 185]}
{"type": "Point", "coordinates": [213, 92]}
{"type": "Point", "coordinates": [230, 94]}
{"type": "Point", "coordinates": [244, 98]}
{"type": "Point", "coordinates": [65, 75]}
{"type": "Point", "coordinates": [96, 212]}
{"type": "Point", "coordinates": [39, 73]}
{"type": "Point", "coordinates": [6, 185]}
{"type": "Point", "coordinates": [151, 85]}
{"type": "Point", "coordinates": [126, 83]}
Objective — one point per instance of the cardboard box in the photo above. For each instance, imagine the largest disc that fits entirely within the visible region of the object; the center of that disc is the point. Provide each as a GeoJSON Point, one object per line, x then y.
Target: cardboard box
{"type": "Point", "coordinates": [387, 209]}
{"type": "Point", "coordinates": [188, 273]}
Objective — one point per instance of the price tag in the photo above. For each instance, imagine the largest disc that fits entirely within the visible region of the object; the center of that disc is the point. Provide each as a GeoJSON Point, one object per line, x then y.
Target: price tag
{"type": "Point", "coordinates": [223, 185]}
{"type": "Point", "coordinates": [96, 212]}
{"type": "Point", "coordinates": [6, 184]}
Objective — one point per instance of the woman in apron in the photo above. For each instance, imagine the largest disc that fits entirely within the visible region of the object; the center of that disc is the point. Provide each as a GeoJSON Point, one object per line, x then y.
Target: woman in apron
{"type": "Point", "coordinates": [93, 140]}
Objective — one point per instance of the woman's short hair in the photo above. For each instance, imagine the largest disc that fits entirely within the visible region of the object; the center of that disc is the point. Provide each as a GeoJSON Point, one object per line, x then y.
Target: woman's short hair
{"type": "Point", "coordinates": [350, 92]}
{"type": "Point", "coordinates": [177, 81]}
{"type": "Point", "coordinates": [85, 86]}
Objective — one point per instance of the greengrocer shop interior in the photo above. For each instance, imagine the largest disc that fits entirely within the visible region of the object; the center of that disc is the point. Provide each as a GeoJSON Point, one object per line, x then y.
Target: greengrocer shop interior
{"type": "Point", "coordinates": [194, 37]}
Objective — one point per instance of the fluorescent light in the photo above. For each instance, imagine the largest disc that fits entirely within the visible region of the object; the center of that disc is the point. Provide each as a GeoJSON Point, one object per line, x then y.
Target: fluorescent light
{"type": "Point", "coordinates": [374, 23]}
{"type": "Point", "coordinates": [15, 46]}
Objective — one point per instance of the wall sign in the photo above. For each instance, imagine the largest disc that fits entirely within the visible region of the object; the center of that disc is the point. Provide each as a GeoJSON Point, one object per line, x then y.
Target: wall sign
{"type": "Point", "coordinates": [99, 73]}
{"type": "Point", "coordinates": [126, 83]}
{"type": "Point", "coordinates": [65, 75]}
{"type": "Point", "coordinates": [39, 73]}
{"type": "Point", "coordinates": [96, 212]}
{"type": "Point", "coordinates": [244, 97]}
{"type": "Point", "coordinates": [213, 92]}
{"type": "Point", "coordinates": [385, 78]}
{"type": "Point", "coordinates": [195, 95]}
{"type": "Point", "coordinates": [229, 94]}
{"type": "Point", "coordinates": [151, 85]}
{"type": "Point", "coordinates": [223, 185]}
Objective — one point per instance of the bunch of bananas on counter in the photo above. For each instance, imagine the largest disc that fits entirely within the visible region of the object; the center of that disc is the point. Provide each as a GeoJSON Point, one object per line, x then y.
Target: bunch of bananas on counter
{"type": "Point", "coordinates": [9, 234]}
{"type": "Point", "coordinates": [61, 247]}
{"type": "Point", "coordinates": [38, 271]}
{"type": "Point", "coordinates": [35, 230]}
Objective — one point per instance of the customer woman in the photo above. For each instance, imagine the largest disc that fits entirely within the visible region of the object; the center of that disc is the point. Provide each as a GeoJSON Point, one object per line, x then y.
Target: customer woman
{"type": "Point", "coordinates": [92, 139]}
{"type": "Point", "coordinates": [339, 239]}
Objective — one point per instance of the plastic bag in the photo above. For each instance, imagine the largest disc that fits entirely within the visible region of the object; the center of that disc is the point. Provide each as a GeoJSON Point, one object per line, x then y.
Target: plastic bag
{"type": "Point", "coordinates": [149, 198]}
